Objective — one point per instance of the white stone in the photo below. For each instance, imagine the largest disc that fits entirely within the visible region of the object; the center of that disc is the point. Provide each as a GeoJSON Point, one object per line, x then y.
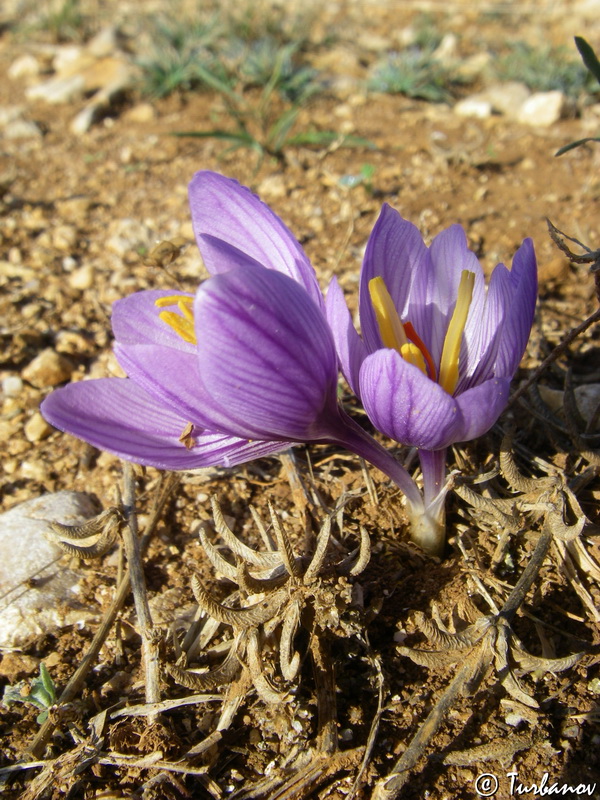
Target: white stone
{"type": "Point", "coordinates": [22, 129]}
{"type": "Point", "coordinates": [66, 58]}
{"type": "Point", "coordinates": [507, 98]}
{"type": "Point", "coordinates": [473, 66]}
{"type": "Point", "coordinates": [24, 67]}
{"type": "Point", "coordinates": [12, 386]}
{"type": "Point", "coordinates": [36, 428]}
{"type": "Point", "coordinates": [474, 106]}
{"type": "Point", "coordinates": [542, 109]}
{"type": "Point", "coordinates": [38, 591]}
{"type": "Point", "coordinates": [82, 277]}
{"type": "Point", "coordinates": [104, 43]}
{"type": "Point", "coordinates": [57, 90]}
{"type": "Point", "coordinates": [447, 49]}
{"type": "Point", "coordinates": [8, 114]}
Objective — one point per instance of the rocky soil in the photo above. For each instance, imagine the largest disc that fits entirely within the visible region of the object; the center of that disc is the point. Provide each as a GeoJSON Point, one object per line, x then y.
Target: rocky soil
{"type": "Point", "coordinates": [89, 186]}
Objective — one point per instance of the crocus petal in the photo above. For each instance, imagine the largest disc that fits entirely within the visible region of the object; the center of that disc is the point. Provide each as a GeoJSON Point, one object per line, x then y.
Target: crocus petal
{"type": "Point", "coordinates": [435, 288]}
{"type": "Point", "coordinates": [484, 338]}
{"type": "Point", "coordinates": [266, 356]}
{"type": "Point", "coordinates": [405, 404]}
{"type": "Point", "coordinates": [114, 414]}
{"type": "Point", "coordinates": [480, 407]}
{"type": "Point", "coordinates": [519, 319]}
{"type": "Point", "coordinates": [135, 320]}
{"type": "Point", "coordinates": [168, 375]}
{"type": "Point", "coordinates": [396, 252]}
{"type": "Point", "coordinates": [224, 210]}
{"type": "Point", "coordinates": [350, 347]}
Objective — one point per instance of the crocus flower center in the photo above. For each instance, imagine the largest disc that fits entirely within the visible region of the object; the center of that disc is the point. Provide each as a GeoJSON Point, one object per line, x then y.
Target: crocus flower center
{"type": "Point", "coordinates": [402, 337]}
{"type": "Point", "coordinates": [182, 324]}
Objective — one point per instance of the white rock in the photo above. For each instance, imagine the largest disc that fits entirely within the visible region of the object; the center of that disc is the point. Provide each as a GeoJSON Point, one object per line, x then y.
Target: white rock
{"type": "Point", "coordinates": [66, 57]}
{"type": "Point", "coordinates": [104, 43]}
{"type": "Point", "coordinates": [24, 67]}
{"type": "Point", "coordinates": [22, 129]}
{"type": "Point", "coordinates": [447, 49]}
{"type": "Point", "coordinates": [38, 592]}
{"type": "Point", "coordinates": [474, 106]}
{"type": "Point", "coordinates": [36, 428]}
{"type": "Point", "coordinates": [57, 90]}
{"type": "Point", "coordinates": [12, 386]}
{"type": "Point", "coordinates": [542, 109]}
{"type": "Point", "coordinates": [507, 98]}
{"type": "Point", "coordinates": [472, 66]}
{"type": "Point", "coordinates": [8, 114]}
{"type": "Point", "coordinates": [82, 277]}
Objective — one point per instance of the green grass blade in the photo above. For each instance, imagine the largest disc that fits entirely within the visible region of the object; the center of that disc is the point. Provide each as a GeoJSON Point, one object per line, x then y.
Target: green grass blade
{"type": "Point", "coordinates": [245, 139]}
{"type": "Point", "coordinates": [277, 135]}
{"type": "Point", "coordinates": [589, 57]}
{"type": "Point", "coordinates": [573, 145]}
{"type": "Point", "coordinates": [328, 137]}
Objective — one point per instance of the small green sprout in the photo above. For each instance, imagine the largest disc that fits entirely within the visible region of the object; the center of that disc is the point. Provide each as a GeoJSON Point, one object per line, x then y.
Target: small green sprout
{"type": "Point", "coordinates": [590, 59]}
{"type": "Point", "coordinates": [364, 177]}
{"type": "Point", "coordinates": [40, 693]}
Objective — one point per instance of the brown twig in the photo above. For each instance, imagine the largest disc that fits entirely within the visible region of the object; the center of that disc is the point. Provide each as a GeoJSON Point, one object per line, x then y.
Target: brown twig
{"type": "Point", "coordinates": [551, 357]}
{"type": "Point", "coordinates": [73, 687]}
{"type": "Point", "coordinates": [131, 541]}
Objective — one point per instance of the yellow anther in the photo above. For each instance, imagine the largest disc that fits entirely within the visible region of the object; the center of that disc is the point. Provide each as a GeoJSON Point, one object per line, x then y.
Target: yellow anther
{"type": "Point", "coordinates": [173, 300]}
{"type": "Point", "coordinates": [390, 325]}
{"type": "Point", "coordinates": [451, 350]}
{"type": "Point", "coordinates": [411, 353]}
{"type": "Point", "coordinates": [182, 324]}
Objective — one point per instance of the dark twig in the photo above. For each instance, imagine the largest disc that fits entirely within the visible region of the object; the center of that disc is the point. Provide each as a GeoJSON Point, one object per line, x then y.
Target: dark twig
{"type": "Point", "coordinates": [138, 587]}
{"type": "Point", "coordinates": [551, 357]}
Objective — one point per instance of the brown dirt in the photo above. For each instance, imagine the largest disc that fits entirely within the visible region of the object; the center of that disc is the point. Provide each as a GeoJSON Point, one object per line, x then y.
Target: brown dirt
{"type": "Point", "coordinates": [66, 197]}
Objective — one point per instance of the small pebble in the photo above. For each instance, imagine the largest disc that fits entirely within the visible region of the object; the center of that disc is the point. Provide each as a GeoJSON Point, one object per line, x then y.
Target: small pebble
{"type": "Point", "coordinates": [48, 369]}
{"type": "Point", "coordinates": [12, 386]}
{"type": "Point", "coordinates": [36, 428]}
{"type": "Point", "coordinates": [82, 278]}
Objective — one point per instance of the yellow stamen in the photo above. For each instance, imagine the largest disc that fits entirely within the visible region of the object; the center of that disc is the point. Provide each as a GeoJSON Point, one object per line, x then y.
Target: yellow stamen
{"type": "Point", "coordinates": [182, 324]}
{"type": "Point", "coordinates": [173, 300]}
{"type": "Point", "coordinates": [451, 350]}
{"type": "Point", "coordinates": [388, 321]}
{"type": "Point", "coordinates": [411, 353]}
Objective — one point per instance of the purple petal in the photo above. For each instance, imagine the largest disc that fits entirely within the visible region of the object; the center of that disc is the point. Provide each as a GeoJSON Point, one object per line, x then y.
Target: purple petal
{"type": "Point", "coordinates": [484, 338]}
{"type": "Point", "coordinates": [396, 252]}
{"type": "Point", "coordinates": [266, 356]}
{"type": "Point", "coordinates": [435, 288]}
{"type": "Point", "coordinates": [116, 415]}
{"type": "Point", "coordinates": [480, 407]}
{"type": "Point", "coordinates": [223, 210]}
{"type": "Point", "coordinates": [348, 344]}
{"type": "Point", "coordinates": [519, 317]}
{"type": "Point", "coordinates": [170, 376]}
{"type": "Point", "coordinates": [135, 320]}
{"type": "Point", "coordinates": [405, 404]}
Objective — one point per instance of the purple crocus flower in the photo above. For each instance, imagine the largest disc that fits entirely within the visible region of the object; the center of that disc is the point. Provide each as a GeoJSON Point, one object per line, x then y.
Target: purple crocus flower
{"type": "Point", "coordinates": [242, 369]}
{"type": "Point", "coordinates": [437, 352]}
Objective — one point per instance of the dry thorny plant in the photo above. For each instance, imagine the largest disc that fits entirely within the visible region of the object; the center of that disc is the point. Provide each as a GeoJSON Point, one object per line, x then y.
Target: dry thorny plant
{"type": "Point", "coordinates": [279, 596]}
{"type": "Point", "coordinates": [489, 644]}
